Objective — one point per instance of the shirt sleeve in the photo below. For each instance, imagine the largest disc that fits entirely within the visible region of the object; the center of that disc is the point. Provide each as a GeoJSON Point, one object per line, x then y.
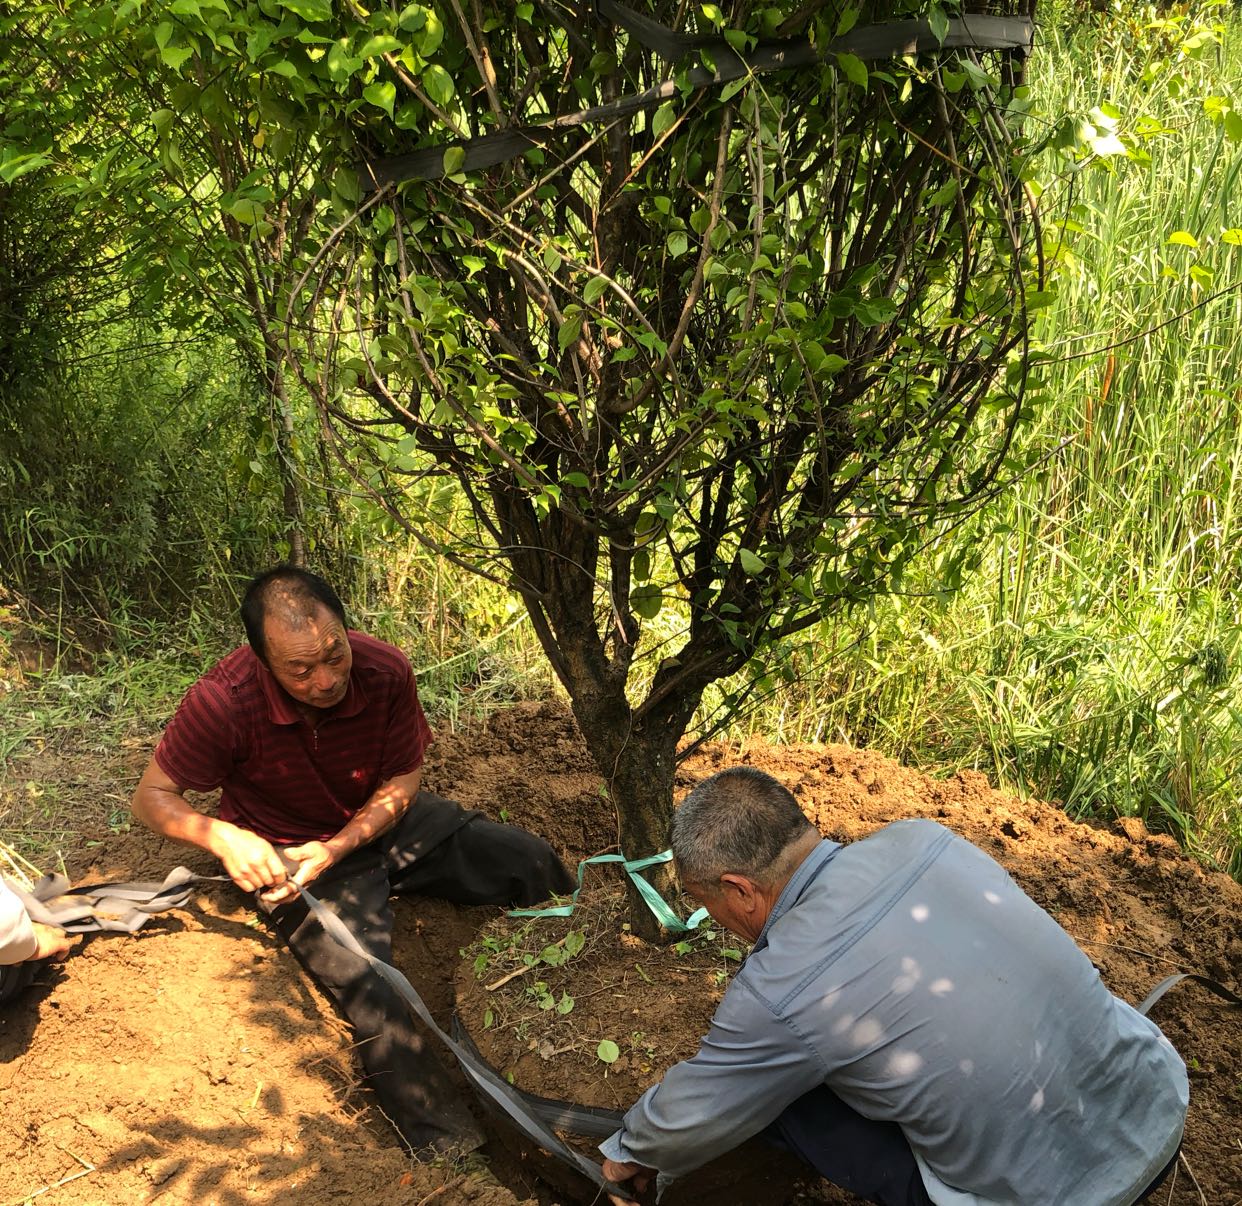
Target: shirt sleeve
{"type": "Point", "coordinates": [198, 748]}
{"type": "Point", "coordinates": [409, 734]}
{"type": "Point", "coordinates": [751, 1065]}
{"type": "Point", "coordinates": [17, 937]}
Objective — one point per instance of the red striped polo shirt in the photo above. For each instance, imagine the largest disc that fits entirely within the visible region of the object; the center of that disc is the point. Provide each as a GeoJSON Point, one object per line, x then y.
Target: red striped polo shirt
{"type": "Point", "coordinates": [289, 782]}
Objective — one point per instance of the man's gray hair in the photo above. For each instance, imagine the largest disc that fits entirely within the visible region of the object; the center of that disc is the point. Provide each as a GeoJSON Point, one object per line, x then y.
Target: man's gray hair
{"type": "Point", "coordinates": [741, 821]}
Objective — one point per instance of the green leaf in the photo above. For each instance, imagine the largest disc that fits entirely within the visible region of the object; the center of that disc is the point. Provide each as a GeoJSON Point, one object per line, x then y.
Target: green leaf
{"type": "Point", "coordinates": [339, 62]}
{"type": "Point", "coordinates": [875, 311]}
{"type": "Point", "coordinates": [571, 328]}
{"type": "Point", "coordinates": [752, 563]}
{"type": "Point", "coordinates": [700, 220]}
{"type": "Point", "coordinates": [454, 157]}
{"type": "Point", "coordinates": [309, 10]}
{"type": "Point", "coordinates": [595, 289]}
{"type": "Point", "coordinates": [662, 118]}
{"type": "Point", "coordinates": [346, 184]}
{"type": "Point", "coordinates": [377, 45]}
{"type": "Point", "coordinates": [1183, 238]}
{"type": "Point", "coordinates": [14, 164]}
{"type": "Point", "coordinates": [1232, 236]}
{"type": "Point", "coordinates": [433, 35]}
{"type": "Point", "coordinates": [246, 211]}
{"type": "Point", "coordinates": [1205, 278]}
{"type": "Point", "coordinates": [381, 94]}
{"type": "Point", "coordinates": [439, 84]}
{"type": "Point", "coordinates": [565, 1004]}
{"type": "Point", "coordinates": [855, 69]}
{"type": "Point", "coordinates": [175, 56]}
{"type": "Point", "coordinates": [580, 480]}
{"type": "Point", "coordinates": [938, 19]}
{"type": "Point", "coordinates": [413, 18]}
{"type": "Point", "coordinates": [488, 1018]}
{"type": "Point", "coordinates": [646, 600]}
{"type": "Point", "coordinates": [678, 243]}
{"type": "Point", "coordinates": [608, 1051]}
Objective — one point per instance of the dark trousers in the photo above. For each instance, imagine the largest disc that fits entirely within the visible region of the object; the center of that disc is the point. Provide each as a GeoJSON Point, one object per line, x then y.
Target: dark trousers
{"type": "Point", "coordinates": [14, 977]}
{"type": "Point", "coordinates": [871, 1159]}
{"type": "Point", "coordinates": [475, 862]}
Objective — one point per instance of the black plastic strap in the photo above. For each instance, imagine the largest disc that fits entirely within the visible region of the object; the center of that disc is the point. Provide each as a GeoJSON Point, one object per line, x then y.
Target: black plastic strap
{"type": "Point", "coordinates": [497, 1091]}
{"type": "Point", "coordinates": [887, 40]}
{"type": "Point", "coordinates": [1145, 1006]}
{"type": "Point", "coordinates": [595, 1122]}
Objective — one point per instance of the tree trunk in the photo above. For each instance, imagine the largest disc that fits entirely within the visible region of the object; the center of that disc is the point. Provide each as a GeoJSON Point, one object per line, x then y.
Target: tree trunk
{"type": "Point", "coordinates": [286, 458]}
{"type": "Point", "coordinates": [638, 762]}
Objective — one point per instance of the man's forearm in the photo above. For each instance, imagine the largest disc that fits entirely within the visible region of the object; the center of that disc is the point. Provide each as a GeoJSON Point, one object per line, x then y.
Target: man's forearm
{"type": "Point", "coordinates": [170, 815]}
{"type": "Point", "coordinates": [381, 812]}
{"type": "Point", "coordinates": [249, 859]}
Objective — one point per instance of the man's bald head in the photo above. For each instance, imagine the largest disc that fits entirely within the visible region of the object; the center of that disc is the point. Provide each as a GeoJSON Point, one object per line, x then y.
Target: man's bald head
{"type": "Point", "coordinates": [289, 596]}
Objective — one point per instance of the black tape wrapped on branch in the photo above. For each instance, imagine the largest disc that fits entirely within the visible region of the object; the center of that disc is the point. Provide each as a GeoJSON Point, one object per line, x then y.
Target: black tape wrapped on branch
{"type": "Point", "coordinates": [887, 40]}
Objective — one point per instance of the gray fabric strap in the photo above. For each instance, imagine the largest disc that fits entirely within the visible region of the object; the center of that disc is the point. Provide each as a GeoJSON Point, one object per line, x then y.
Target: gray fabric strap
{"type": "Point", "coordinates": [496, 1090]}
{"type": "Point", "coordinates": [1145, 1006]}
{"type": "Point", "coordinates": [888, 40]}
{"type": "Point", "coordinates": [118, 907]}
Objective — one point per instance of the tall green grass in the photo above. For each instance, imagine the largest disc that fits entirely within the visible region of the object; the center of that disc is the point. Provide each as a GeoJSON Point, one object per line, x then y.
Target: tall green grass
{"type": "Point", "coordinates": [1093, 657]}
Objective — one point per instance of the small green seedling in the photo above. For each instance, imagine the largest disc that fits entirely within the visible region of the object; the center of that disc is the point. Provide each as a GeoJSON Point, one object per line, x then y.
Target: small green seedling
{"type": "Point", "coordinates": [608, 1051]}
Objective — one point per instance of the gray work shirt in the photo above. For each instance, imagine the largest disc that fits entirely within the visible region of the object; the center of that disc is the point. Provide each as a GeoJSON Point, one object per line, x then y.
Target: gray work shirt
{"type": "Point", "coordinates": [914, 978]}
{"type": "Point", "coordinates": [17, 936]}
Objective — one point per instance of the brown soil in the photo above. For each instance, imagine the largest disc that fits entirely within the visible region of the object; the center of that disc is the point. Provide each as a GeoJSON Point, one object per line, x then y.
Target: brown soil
{"type": "Point", "coordinates": [193, 1063]}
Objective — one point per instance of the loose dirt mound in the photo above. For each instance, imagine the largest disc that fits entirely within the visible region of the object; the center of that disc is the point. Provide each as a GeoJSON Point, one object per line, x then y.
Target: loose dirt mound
{"type": "Point", "coordinates": [195, 1064]}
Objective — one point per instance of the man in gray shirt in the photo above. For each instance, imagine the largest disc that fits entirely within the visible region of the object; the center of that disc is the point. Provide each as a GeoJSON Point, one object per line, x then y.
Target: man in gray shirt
{"type": "Point", "coordinates": [25, 945]}
{"type": "Point", "coordinates": [909, 1022]}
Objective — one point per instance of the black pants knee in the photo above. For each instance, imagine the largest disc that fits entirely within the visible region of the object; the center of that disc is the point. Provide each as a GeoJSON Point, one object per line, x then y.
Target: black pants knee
{"type": "Point", "coordinates": [871, 1159]}
{"type": "Point", "coordinates": [469, 860]}
{"type": "Point", "coordinates": [16, 977]}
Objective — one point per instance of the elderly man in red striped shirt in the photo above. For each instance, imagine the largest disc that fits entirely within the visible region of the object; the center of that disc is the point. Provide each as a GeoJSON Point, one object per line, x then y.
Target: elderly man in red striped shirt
{"type": "Point", "coordinates": [315, 735]}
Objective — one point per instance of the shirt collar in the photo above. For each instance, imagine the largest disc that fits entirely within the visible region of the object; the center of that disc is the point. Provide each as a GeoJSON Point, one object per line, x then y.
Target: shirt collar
{"type": "Point", "coordinates": [281, 709]}
{"type": "Point", "coordinates": [802, 878]}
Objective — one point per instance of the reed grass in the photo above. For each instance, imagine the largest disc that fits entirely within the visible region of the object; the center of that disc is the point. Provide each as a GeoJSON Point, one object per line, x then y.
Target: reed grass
{"type": "Point", "coordinates": [1093, 656]}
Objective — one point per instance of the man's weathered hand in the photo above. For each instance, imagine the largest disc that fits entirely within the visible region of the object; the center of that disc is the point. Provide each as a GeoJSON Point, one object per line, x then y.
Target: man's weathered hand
{"type": "Point", "coordinates": [618, 1171]}
{"type": "Point", "coordinates": [312, 858]}
{"type": "Point", "coordinates": [250, 861]}
{"type": "Point", "coordinates": [53, 942]}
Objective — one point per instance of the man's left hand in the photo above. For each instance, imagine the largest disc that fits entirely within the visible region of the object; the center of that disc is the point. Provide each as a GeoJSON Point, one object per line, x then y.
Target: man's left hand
{"type": "Point", "coordinates": [618, 1171]}
{"type": "Point", "coordinates": [304, 864]}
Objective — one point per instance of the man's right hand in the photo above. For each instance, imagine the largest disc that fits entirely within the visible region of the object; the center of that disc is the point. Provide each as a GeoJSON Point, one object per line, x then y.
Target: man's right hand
{"type": "Point", "coordinates": [250, 860]}
{"type": "Point", "coordinates": [53, 942]}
